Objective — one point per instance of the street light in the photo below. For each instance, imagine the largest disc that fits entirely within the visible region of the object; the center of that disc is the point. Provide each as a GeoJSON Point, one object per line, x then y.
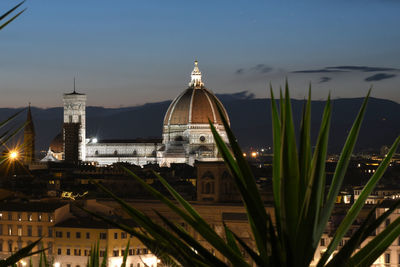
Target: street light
{"type": "Point", "coordinates": [13, 155]}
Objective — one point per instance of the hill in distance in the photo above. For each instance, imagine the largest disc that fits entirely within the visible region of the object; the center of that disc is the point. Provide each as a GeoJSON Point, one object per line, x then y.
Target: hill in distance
{"type": "Point", "coordinates": [250, 120]}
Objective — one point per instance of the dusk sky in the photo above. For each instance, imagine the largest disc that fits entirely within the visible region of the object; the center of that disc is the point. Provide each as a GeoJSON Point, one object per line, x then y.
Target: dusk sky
{"type": "Point", "coordinates": [126, 53]}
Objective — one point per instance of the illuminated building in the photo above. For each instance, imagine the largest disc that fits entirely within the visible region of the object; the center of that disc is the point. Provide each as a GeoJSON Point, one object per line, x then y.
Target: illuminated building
{"type": "Point", "coordinates": [187, 136]}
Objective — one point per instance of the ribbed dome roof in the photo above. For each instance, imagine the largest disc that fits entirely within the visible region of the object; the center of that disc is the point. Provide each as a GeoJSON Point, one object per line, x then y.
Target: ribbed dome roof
{"type": "Point", "coordinates": [195, 105]}
{"type": "Point", "coordinates": [56, 144]}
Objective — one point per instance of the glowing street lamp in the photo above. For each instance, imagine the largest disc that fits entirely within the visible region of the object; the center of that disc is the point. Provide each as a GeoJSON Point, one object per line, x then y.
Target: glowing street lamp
{"type": "Point", "coordinates": [13, 155]}
{"type": "Point", "coordinates": [254, 154]}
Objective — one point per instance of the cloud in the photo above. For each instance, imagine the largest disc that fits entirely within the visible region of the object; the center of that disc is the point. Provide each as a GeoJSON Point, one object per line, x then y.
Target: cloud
{"type": "Point", "coordinates": [363, 68]}
{"type": "Point", "coordinates": [324, 79]}
{"type": "Point", "coordinates": [318, 71]}
{"type": "Point", "coordinates": [235, 96]}
{"type": "Point", "coordinates": [337, 69]}
{"type": "Point", "coordinates": [379, 77]}
{"type": "Point", "coordinates": [257, 69]}
{"type": "Point", "coordinates": [239, 71]}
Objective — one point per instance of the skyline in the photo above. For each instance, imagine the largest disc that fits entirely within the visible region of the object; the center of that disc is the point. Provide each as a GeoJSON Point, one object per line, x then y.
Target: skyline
{"type": "Point", "coordinates": [133, 53]}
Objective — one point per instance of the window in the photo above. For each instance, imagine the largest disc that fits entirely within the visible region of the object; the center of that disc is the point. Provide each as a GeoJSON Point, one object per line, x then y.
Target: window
{"type": "Point", "coordinates": [68, 234]}
{"type": "Point", "coordinates": [39, 217]}
{"type": "Point", "coordinates": [123, 235]}
{"type": "Point", "coordinates": [50, 231]}
{"type": "Point", "coordinates": [322, 242]}
{"type": "Point", "coordinates": [50, 217]}
{"type": "Point", "coordinates": [1, 245]}
{"type": "Point", "coordinates": [40, 231]}
{"type": "Point", "coordinates": [115, 235]}
{"type": "Point", "coordinates": [10, 216]}
{"type": "Point", "coordinates": [1, 216]}
{"type": "Point", "coordinates": [87, 252]}
{"type": "Point", "coordinates": [50, 247]}
{"type": "Point", "coordinates": [102, 253]}
{"type": "Point", "coordinates": [138, 251]}
{"type": "Point", "coordinates": [9, 230]}
{"type": "Point", "coordinates": [115, 253]}
{"type": "Point", "coordinates": [19, 230]}
{"type": "Point", "coordinates": [131, 252]}
{"type": "Point", "coordinates": [19, 216]}
{"type": "Point", "coordinates": [1, 229]}
{"type": "Point", "coordinates": [87, 235]}
{"type": "Point", "coordinates": [58, 234]}
{"type": "Point", "coordinates": [145, 251]}
{"type": "Point", "coordinates": [103, 235]}
{"type": "Point", "coordinates": [68, 265]}
{"type": "Point", "coordinates": [59, 251]}
{"type": "Point", "coordinates": [77, 252]}
{"type": "Point", "coordinates": [387, 257]}
{"type": "Point", "coordinates": [10, 246]}
{"type": "Point", "coordinates": [70, 118]}
{"type": "Point", "coordinates": [138, 265]}
{"type": "Point", "coordinates": [78, 234]}
{"type": "Point", "coordinates": [68, 251]}
{"type": "Point", "coordinates": [122, 252]}
{"type": "Point", "coordinates": [29, 230]}
{"type": "Point", "coordinates": [30, 217]}
{"type": "Point", "coordinates": [387, 222]}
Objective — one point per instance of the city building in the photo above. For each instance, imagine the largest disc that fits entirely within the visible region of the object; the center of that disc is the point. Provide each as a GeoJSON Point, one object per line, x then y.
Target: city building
{"type": "Point", "coordinates": [186, 137]}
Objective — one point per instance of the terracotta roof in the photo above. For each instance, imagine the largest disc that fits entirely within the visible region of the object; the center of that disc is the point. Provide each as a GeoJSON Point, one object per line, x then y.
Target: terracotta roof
{"type": "Point", "coordinates": [195, 106]}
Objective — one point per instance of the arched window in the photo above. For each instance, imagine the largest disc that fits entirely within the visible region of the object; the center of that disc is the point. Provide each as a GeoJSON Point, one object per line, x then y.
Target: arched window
{"type": "Point", "coordinates": [96, 152]}
{"type": "Point", "coordinates": [115, 152]}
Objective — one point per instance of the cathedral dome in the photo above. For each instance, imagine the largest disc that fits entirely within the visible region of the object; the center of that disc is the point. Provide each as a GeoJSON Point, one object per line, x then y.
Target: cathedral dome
{"type": "Point", "coordinates": [195, 105]}
{"type": "Point", "coordinates": [56, 144]}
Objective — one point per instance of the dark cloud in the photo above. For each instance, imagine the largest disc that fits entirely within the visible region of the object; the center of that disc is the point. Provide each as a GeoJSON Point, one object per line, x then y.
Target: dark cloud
{"type": "Point", "coordinates": [324, 79]}
{"type": "Point", "coordinates": [239, 71]}
{"type": "Point", "coordinates": [235, 96]}
{"type": "Point", "coordinates": [257, 69]}
{"type": "Point", "coordinates": [337, 69]}
{"type": "Point", "coordinates": [379, 77]}
{"type": "Point", "coordinates": [318, 71]}
{"type": "Point", "coordinates": [261, 68]}
{"type": "Point", "coordinates": [362, 68]}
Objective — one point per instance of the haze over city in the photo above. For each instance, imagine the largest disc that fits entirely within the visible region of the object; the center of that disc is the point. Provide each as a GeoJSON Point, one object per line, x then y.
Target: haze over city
{"type": "Point", "coordinates": [126, 53]}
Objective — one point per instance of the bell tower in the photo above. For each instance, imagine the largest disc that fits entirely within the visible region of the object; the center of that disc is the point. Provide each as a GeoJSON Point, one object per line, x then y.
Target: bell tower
{"type": "Point", "coordinates": [74, 127]}
{"type": "Point", "coordinates": [29, 139]}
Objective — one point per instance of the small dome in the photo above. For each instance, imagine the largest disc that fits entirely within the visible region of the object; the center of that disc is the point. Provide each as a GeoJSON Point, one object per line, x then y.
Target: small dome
{"type": "Point", "coordinates": [56, 144]}
{"type": "Point", "coordinates": [195, 105]}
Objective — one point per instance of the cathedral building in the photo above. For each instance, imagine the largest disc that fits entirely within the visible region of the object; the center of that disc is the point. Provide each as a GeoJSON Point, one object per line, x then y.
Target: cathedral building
{"type": "Point", "coordinates": [186, 137]}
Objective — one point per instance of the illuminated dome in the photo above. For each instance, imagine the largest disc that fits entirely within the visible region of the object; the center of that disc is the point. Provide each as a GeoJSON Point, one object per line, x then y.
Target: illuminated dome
{"type": "Point", "coordinates": [187, 135]}
{"type": "Point", "coordinates": [195, 105]}
{"type": "Point", "coordinates": [56, 144]}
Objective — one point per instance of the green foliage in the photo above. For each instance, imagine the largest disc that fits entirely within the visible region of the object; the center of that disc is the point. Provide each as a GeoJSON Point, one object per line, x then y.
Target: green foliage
{"type": "Point", "coordinates": [94, 257]}
{"type": "Point", "coordinates": [5, 18]}
{"type": "Point", "coordinates": [21, 254]}
{"type": "Point", "coordinates": [291, 236]}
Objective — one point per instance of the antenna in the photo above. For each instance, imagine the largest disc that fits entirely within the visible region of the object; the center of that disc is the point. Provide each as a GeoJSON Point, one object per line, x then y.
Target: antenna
{"type": "Point", "coordinates": [74, 86]}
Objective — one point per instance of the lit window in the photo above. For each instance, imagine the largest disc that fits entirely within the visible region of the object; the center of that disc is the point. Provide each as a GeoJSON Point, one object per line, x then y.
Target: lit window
{"type": "Point", "coordinates": [19, 217]}
{"type": "Point", "coordinates": [39, 217]}
{"type": "Point", "coordinates": [30, 217]}
{"type": "Point", "coordinates": [10, 230]}
{"type": "Point", "coordinates": [19, 230]}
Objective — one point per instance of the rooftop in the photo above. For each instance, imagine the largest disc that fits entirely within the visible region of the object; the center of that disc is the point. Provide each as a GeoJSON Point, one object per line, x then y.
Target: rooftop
{"type": "Point", "coordinates": [30, 206]}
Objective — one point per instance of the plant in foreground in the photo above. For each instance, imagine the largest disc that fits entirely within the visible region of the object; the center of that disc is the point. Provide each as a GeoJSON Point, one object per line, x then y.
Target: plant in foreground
{"type": "Point", "coordinates": [5, 17]}
{"type": "Point", "coordinates": [302, 208]}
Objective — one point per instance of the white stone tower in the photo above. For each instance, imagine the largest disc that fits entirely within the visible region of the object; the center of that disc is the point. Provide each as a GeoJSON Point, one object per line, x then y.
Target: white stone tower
{"type": "Point", "coordinates": [75, 114]}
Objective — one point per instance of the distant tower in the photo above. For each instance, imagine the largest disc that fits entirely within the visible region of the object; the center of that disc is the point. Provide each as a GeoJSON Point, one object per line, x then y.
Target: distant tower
{"type": "Point", "coordinates": [74, 127]}
{"type": "Point", "coordinates": [29, 139]}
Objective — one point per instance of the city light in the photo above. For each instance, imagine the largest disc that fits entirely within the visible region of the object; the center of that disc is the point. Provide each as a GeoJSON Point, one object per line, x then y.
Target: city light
{"type": "Point", "coordinates": [57, 264]}
{"type": "Point", "coordinates": [13, 155]}
{"type": "Point", "coordinates": [244, 155]}
{"type": "Point", "coordinates": [254, 154]}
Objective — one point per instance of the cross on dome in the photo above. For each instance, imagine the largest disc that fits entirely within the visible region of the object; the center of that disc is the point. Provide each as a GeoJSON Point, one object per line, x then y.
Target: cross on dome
{"type": "Point", "coordinates": [196, 77]}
